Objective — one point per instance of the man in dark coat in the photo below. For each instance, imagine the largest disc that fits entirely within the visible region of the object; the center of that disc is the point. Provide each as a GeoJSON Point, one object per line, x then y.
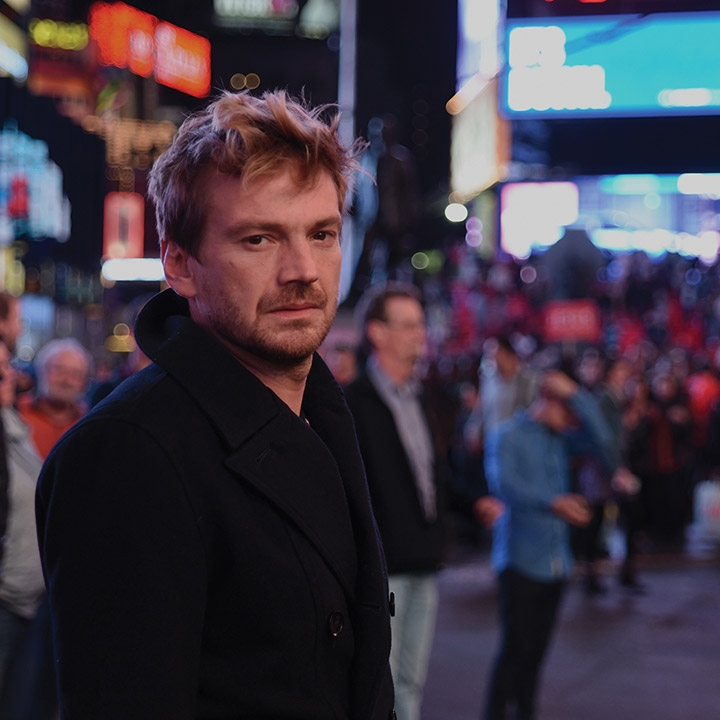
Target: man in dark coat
{"type": "Point", "coordinates": [206, 531]}
{"type": "Point", "coordinates": [405, 475]}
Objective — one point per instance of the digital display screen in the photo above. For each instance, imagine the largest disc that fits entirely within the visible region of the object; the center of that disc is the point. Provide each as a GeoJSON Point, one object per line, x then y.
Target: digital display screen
{"type": "Point", "coordinates": [653, 213]}
{"type": "Point", "coordinates": [612, 66]}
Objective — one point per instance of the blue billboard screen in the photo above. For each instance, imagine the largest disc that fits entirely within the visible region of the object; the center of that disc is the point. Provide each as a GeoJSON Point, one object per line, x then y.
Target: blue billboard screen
{"type": "Point", "coordinates": [612, 66]}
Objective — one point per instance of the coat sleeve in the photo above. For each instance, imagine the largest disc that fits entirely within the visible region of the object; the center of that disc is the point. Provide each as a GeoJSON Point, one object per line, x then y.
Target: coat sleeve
{"type": "Point", "coordinates": [126, 574]}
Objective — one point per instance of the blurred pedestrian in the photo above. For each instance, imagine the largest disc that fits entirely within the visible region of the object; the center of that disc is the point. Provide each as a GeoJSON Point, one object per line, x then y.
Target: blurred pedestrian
{"type": "Point", "coordinates": [341, 358]}
{"type": "Point", "coordinates": [668, 496]}
{"type": "Point", "coordinates": [206, 531]}
{"type": "Point", "coordinates": [602, 484]}
{"type": "Point", "coordinates": [63, 368]}
{"type": "Point", "coordinates": [10, 329]}
{"type": "Point", "coordinates": [406, 476]}
{"type": "Point", "coordinates": [11, 323]}
{"type": "Point", "coordinates": [22, 588]}
{"type": "Point", "coordinates": [527, 466]}
{"type": "Point", "coordinates": [506, 384]}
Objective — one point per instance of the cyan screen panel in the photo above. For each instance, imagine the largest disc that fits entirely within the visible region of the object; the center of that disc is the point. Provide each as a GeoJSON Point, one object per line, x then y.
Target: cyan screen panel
{"type": "Point", "coordinates": [612, 65]}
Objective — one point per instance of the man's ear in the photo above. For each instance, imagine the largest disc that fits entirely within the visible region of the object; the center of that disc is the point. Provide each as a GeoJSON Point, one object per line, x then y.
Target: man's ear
{"type": "Point", "coordinates": [178, 272]}
{"type": "Point", "coordinates": [375, 332]}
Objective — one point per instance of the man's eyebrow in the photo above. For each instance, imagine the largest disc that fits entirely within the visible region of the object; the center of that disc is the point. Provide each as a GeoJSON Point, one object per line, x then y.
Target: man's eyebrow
{"type": "Point", "coordinates": [257, 227]}
{"type": "Point", "coordinates": [334, 221]}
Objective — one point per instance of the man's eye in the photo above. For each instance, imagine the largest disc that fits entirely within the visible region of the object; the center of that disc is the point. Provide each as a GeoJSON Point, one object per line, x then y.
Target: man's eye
{"type": "Point", "coordinates": [255, 240]}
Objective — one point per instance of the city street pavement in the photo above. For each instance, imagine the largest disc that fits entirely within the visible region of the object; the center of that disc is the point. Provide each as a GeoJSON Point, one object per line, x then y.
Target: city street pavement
{"type": "Point", "coordinates": [619, 656]}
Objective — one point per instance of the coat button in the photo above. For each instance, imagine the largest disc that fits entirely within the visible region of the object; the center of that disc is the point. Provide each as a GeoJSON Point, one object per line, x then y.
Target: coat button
{"type": "Point", "coordinates": [336, 623]}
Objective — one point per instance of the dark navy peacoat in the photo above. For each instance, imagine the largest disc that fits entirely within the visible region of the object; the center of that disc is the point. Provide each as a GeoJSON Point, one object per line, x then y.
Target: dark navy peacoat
{"type": "Point", "coordinates": [208, 553]}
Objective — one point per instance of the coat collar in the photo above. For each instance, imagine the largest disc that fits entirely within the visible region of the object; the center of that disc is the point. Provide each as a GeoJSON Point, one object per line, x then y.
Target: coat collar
{"type": "Point", "coordinates": [262, 435]}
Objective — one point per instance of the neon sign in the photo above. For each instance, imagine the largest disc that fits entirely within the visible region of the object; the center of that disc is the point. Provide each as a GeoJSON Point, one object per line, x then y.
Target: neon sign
{"type": "Point", "coordinates": [32, 202]}
{"type": "Point", "coordinates": [132, 39]}
{"type": "Point", "coordinates": [55, 34]}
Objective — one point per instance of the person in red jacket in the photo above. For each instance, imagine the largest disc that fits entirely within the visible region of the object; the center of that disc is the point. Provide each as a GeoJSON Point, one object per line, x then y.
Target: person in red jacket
{"type": "Point", "coordinates": [63, 368]}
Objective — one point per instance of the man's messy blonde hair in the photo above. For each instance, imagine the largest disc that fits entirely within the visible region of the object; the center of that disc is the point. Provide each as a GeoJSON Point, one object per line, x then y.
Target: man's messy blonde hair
{"type": "Point", "coordinates": [245, 136]}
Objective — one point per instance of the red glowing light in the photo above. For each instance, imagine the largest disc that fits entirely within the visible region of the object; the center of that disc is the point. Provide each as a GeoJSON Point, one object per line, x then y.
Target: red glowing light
{"type": "Point", "coordinates": [132, 39]}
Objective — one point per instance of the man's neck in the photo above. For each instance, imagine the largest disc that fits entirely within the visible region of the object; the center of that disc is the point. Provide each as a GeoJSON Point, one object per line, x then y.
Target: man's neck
{"type": "Point", "coordinates": [398, 372]}
{"type": "Point", "coordinates": [287, 383]}
{"type": "Point", "coordinates": [57, 408]}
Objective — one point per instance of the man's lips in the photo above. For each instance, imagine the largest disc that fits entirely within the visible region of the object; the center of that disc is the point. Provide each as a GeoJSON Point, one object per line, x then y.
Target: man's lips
{"type": "Point", "coordinates": [297, 306]}
{"type": "Point", "coordinates": [300, 309]}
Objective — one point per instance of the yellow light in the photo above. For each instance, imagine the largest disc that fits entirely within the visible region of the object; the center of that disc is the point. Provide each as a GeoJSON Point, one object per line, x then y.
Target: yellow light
{"type": "Point", "coordinates": [252, 81]}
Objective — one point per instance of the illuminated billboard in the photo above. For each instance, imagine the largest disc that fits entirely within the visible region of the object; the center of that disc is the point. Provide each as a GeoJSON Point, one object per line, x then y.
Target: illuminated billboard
{"type": "Point", "coordinates": [32, 201]}
{"type": "Point", "coordinates": [612, 66]}
{"type": "Point", "coordinates": [132, 39]}
{"type": "Point", "coordinates": [13, 51]}
{"type": "Point", "coordinates": [480, 148]}
{"type": "Point", "coordinates": [312, 18]}
{"type": "Point", "coordinates": [653, 213]}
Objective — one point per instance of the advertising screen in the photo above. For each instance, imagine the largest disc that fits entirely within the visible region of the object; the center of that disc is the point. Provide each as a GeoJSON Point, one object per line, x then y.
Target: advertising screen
{"type": "Point", "coordinates": [653, 213]}
{"type": "Point", "coordinates": [129, 38]}
{"type": "Point", "coordinates": [480, 137]}
{"type": "Point", "coordinates": [612, 66]}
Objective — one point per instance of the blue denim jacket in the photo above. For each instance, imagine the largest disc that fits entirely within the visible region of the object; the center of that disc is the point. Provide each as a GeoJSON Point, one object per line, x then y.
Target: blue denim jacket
{"type": "Point", "coordinates": [526, 465]}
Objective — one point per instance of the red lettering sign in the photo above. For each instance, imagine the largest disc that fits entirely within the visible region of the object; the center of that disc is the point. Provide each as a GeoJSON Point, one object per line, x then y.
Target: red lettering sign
{"type": "Point", "coordinates": [132, 39]}
{"type": "Point", "coordinates": [571, 321]}
{"type": "Point", "coordinates": [182, 60]}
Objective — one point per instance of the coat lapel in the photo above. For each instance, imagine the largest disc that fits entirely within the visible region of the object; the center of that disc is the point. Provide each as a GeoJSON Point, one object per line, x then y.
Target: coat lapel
{"type": "Point", "coordinates": [312, 474]}
{"type": "Point", "coordinates": [290, 465]}
{"type": "Point", "coordinates": [268, 445]}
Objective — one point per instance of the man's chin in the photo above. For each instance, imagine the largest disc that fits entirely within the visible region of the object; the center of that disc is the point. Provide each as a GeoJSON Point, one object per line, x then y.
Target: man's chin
{"type": "Point", "coordinates": [293, 350]}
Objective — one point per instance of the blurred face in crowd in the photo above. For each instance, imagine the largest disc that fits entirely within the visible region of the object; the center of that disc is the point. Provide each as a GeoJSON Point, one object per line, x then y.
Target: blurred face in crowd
{"type": "Point", "coordinates": [265, 280]}
{"type": "Point", "coordinates": [664, 386]}
{"type": "Point", "coordinates": [507, 362]}
{"type": "Point", "coordinates": [7, 378]}
{"type": "Point", "coordinates": [619, 375]}
{"type": "Point", "coordinates": [400, 338]}
{"type": "Point", "coordinates": [555, 414]}
{"type": "Point", "coordinates": [342, 363]}
{"type": "Point", "coordinates": [11, 327]}
{"type": "Point", "coordinates": [65, 378]}
{"type": "Point", "coordinates": [590, 370]}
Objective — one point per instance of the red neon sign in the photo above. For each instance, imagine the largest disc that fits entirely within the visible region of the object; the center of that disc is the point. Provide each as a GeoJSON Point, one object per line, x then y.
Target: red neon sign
{"type": "Point", "coordinates": [182, 60]}
{"type": "Point", "coordinates": [123, 230]}
{"type": "Point", "coordinates": [132, 39]}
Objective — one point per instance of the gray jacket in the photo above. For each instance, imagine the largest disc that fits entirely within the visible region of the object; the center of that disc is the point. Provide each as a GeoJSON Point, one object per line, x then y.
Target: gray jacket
{"type": "Point", "coordinates": [21, 580]}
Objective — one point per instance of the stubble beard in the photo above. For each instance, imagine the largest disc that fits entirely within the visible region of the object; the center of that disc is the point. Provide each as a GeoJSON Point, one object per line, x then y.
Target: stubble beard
{"type": "Point", "coordinates": [288, 348]}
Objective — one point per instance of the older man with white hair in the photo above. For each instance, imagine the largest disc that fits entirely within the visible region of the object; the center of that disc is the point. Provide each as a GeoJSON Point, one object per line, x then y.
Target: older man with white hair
{"type": "Point", "coordinates": [63, 367]}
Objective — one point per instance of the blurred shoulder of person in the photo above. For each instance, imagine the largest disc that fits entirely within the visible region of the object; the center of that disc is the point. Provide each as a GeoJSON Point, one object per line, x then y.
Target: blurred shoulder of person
{"type": "Point", "coordinates": [22, 587]}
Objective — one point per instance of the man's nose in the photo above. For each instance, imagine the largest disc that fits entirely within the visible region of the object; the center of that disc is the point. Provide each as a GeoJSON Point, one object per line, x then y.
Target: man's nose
{"type": "Point", "coordinates": [298, 263]}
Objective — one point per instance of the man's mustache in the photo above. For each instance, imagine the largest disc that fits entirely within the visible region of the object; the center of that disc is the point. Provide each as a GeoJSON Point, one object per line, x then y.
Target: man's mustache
{"type": "Point", "coordinates": [294, 295]}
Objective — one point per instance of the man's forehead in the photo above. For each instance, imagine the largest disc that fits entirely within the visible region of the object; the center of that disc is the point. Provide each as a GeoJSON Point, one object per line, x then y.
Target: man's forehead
{"type": "Point", "coordinates": [68, 357]}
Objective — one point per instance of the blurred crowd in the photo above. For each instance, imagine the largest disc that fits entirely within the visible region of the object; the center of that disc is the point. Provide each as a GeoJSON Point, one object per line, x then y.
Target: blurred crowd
{"type": "Point", "coordinates": [661, 316]}
{"type": "Point", "coordinates": [655, 364]}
